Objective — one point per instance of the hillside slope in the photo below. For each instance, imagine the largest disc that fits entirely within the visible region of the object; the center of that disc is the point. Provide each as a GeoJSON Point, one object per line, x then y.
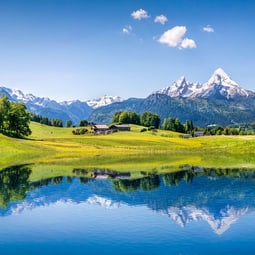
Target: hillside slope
{"type": "Point", "coordinates": [201, 111]}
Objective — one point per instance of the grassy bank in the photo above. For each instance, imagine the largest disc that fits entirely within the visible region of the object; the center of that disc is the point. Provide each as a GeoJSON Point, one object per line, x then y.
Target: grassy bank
{"type": "Point", "coordinates": [57, 148]}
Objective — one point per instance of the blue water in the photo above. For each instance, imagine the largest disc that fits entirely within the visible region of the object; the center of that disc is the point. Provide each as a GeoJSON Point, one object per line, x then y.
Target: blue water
{"type": "Point", "coordinates": [205, 215]}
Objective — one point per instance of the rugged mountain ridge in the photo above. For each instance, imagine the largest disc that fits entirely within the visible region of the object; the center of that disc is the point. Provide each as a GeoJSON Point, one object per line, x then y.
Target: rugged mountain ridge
{"type": "Point", "coordinates": [219, 86]}
{"type": "Point", "coordinates": [201, 111]}
{"type": "Point", "coordinates": [103, 101]}
{"type": "Point", "coordinates": [220, 101]}
{"type": "Point", "coordinates": [75, 110]}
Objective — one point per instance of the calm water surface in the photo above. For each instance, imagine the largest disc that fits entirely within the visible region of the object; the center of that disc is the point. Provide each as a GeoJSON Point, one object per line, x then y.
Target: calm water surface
{"type": "Point", "coordinates": [197, 211]}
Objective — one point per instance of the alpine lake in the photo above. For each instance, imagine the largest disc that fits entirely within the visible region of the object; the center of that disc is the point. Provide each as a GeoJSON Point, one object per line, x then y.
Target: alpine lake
{"type": "Point", "coordinates": [193, 210]}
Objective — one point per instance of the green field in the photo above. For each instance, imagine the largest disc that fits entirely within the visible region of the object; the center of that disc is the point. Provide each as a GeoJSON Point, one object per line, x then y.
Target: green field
{"type": "Point", "coordinates": [57, 150]}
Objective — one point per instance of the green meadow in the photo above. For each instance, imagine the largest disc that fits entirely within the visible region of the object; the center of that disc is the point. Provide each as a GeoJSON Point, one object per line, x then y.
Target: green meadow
{"type": "Point", "coordinates": [55, 151]}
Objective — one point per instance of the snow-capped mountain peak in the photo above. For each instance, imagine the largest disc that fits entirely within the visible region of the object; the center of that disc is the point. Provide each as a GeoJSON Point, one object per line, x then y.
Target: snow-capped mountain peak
{"type": "Point", "coordinates": [181, 81]}
{"type": "Point", "coordinates": [220, 77]}
{"type": "Point", "coordinates": [19, 95]}
{"type": "Point", "coordinates": [44, 106]}
{"type": "Point", "coordinates": [219, 86]}
{"type": "Point", "coordinates": [103, 101]}
{"type": "Point", "coordinates": [180, 88]}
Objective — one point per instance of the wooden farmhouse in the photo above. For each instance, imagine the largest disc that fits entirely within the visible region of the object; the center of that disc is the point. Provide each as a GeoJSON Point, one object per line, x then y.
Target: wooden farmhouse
{"type": "Point", "coordinates": [198, 133]}
{"type": "Point", "coordinates": [100, 129]}
{"type": "Point", "coordinates": [121, 127]}
{"type": "Point", "coordinates": [104, 129]}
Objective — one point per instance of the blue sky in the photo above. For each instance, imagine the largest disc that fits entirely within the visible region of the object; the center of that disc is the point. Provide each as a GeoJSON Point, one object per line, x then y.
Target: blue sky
{"type": "Point", "coordinates": [82, 49]}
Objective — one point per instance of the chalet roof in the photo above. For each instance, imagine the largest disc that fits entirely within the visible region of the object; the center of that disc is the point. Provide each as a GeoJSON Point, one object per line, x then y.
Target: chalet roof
{"type": "Point", "coordinates": [122, 126]}
{"type": "Point", "coordinates": [100, 127]}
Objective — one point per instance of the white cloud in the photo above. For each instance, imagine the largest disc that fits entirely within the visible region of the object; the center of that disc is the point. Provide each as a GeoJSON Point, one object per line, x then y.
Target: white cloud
{"type": "Point", "coordinates": [188, 43]}
{"type": "Point", "coordinates": [127, 29]}
{"type": "Point", "coordinates": [208, 29]}
{"type": "Point", "coordinates": [140, 14]}
{"type": "Point", "coordinates": [174, 38]}
{"type": "Point", "coordinates": [161, 19]}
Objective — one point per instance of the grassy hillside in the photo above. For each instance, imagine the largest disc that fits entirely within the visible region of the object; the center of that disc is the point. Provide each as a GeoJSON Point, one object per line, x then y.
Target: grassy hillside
{"type": "Point", "coordinates": [57, 149]}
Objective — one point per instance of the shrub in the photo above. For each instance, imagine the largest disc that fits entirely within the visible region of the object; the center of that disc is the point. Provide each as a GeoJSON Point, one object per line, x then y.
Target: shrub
{"type": "Point", "coordinates": [80, 131]}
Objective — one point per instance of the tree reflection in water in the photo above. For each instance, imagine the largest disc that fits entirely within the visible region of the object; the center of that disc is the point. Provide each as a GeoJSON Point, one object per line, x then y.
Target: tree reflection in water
{"type": "Point", "coordinates": [15, 184]}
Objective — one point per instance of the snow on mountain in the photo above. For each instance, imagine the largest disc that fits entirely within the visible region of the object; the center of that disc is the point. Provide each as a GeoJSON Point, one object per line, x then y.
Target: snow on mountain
{"type": "Point", "coordinates": [18, 95]}
{"type": "Point", "coordinates": [103, 101]}
{"type": "Point", "coordinates": [65, 103]}
{"type": "Point", "coordinates": [180, 88]}
{"type": "Point", "coordinates": [72, 110]}
{"type": "Point", "coordinates": [219, 224]}
{"type": "Point", "coordinates": [219, 85]}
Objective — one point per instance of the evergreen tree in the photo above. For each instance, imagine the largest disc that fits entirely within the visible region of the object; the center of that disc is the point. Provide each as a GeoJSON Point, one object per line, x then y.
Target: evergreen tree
{"type": "Point", "coordinates": [188, 127]}
{"type": "Point", "coordinates": [174, 124]}
{"type": "Point", "coordinates": [69, 123]}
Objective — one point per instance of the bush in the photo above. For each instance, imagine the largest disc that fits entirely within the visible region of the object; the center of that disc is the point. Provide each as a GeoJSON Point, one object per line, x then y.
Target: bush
{"type": "Point", "coordinates": [151, 128]}
{"type": "Point", "coordinates": [80, 131]}
{"type": "Point", "coordinates": [143, 130]}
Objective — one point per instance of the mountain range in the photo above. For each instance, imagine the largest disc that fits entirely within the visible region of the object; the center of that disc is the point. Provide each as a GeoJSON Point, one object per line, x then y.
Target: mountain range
{"type": "Point", "coordinates": [75, 110]}
{"type": "Point", "coordinates": [220, 100]}
{"type": "Point", "coordinates": [219, 86]}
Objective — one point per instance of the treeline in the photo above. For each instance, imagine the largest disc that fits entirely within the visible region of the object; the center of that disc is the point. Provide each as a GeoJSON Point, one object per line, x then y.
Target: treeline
{"type": "Point", "coordinates": [174, 124]}
{"type": "Point", "coordinates": [55, 122]}
{"type": "Point", "coordinates": [146, 119]}
{"type": "Point", "coordinates": [14, 118]}
{"type": "Point", "coordinates": [152, 120]}
{"type": "Point", "coordinates": [45, 120]}
{"type": "Point", "coordinates": [219, 130]}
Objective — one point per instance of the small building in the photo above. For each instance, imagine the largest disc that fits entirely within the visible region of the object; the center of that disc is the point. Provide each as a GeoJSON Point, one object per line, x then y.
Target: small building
{"type": "Point", "coordinates": [121, 127]}
{"type": "Point", "coordinates": [198, 133]}
{"type": "Point", "coordinates": [100, 129]}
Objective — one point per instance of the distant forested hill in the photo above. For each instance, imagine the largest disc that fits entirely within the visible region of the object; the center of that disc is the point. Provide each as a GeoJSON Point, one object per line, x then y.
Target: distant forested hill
{"type": "Point", "coordinates": [201, 111]}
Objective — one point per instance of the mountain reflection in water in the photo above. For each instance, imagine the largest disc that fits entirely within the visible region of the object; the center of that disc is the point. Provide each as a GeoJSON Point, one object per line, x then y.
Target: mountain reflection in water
{"type": "Point", "coordinates": [217, 196]}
